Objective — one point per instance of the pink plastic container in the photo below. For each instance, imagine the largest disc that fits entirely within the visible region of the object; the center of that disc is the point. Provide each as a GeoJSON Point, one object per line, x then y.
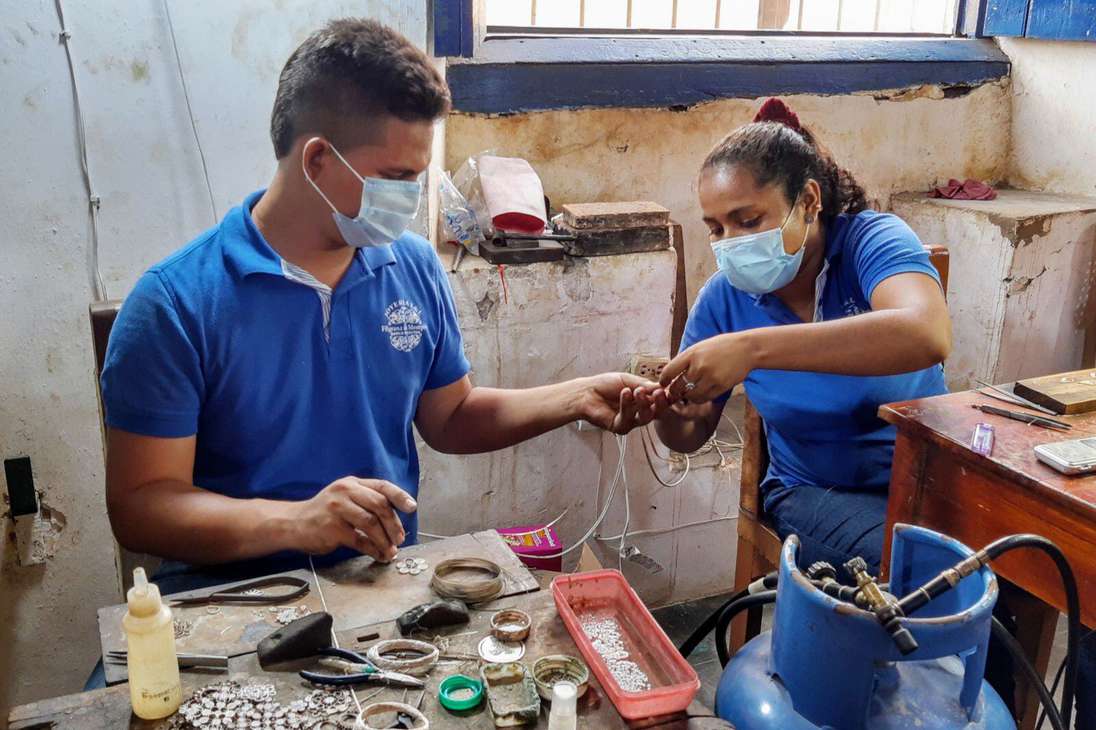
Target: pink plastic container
{"type": "Point", "coordinates": [531, 542]}
{"type": "Point", "coordinates": [605, 594]}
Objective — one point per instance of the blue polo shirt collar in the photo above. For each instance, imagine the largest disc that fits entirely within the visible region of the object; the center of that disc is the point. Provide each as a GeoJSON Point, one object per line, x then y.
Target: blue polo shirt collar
{"type": "Point", "coordinates": [247, 252]}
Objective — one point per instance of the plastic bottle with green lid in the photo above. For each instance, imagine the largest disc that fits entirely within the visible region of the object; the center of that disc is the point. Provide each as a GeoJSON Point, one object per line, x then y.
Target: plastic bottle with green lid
{"type": "Point", "coordinates": [154, 688]}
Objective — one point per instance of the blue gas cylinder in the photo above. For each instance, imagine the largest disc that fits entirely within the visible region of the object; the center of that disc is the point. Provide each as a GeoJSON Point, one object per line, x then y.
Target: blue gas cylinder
{"type": "Point", "coordinates": [828, 664]}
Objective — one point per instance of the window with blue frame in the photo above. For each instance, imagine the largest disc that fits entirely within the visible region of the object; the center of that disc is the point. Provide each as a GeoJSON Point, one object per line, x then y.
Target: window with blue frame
{"type": "Point", "coordinates": [1064, 20]}
{"type": "Point", "coordinates": [510, 56]}
{"type": "Point", "coordinates": [927, 17]}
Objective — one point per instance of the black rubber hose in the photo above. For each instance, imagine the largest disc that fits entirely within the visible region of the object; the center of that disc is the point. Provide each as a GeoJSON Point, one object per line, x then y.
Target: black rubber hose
{"type": "Point", "coordinates": [1053, 690]}
{"type": "Point", "coordinates": [689, 645]}
{"type": "Point", "coordinates": [1073, 606]}
{"type": "Point", "coordinates": [723, 625]}
{"type": "Point", "coordinates": [1033, 677]}
{"type": "Point", "coordinates": [1058, 680]}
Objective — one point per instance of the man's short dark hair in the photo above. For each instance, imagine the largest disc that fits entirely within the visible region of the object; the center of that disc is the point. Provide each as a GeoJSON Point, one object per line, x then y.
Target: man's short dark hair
{"type": "Point", "coordinates": [347, 71]}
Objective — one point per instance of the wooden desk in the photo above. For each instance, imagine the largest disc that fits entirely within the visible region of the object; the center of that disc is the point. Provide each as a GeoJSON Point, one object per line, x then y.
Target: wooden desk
{"type": "Point", "coordinates": [939, 483]}
{"type": "Point", "coordinates": [109, 708]}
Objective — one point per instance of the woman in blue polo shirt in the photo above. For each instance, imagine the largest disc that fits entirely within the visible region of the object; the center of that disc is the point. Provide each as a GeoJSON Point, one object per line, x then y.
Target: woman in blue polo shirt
{"type": "Point", "coordinates": [824, 310]}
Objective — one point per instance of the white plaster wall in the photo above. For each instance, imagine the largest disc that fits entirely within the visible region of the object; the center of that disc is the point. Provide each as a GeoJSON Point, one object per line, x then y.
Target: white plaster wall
{"type": "Point", "coordinates": [1054, 115]}
{"type": "Point", "coordinates": [565, 320]}
{"type": "Point", "coordinates": [145, 166]}
{"type": "Point", "coordinates": [1020, 287]}
{"type": "Point", "coordinates": [893, 143]}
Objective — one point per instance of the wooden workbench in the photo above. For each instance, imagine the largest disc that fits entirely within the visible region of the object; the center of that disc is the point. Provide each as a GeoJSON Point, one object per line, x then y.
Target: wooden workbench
{"type": "Point", "coordinates": [939, 482]}
{"type": "Point", "coordinates": [109, 708]}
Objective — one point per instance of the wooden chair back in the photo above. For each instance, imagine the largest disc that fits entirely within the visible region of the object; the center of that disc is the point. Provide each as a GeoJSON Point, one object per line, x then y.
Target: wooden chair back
{"type": "Point", "coordinates": [102, 316]}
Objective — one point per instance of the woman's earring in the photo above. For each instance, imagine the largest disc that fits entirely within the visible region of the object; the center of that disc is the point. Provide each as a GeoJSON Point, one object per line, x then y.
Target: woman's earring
{"type": "Point", "coordinates": [809, 219]}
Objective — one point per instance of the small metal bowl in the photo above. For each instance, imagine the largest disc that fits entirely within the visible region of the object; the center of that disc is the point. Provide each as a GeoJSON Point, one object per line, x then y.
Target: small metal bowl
{"type": "Point", "coordinates": [558, 667]}
{"type": "Point", "coordinates": [511, 625]}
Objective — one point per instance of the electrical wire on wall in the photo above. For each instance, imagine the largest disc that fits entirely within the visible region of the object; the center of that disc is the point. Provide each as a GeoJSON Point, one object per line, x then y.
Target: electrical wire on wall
{"type": "Point", "coordinates": [620, 477]}
{"type": "Point", "coordinates": [190, 110]}
{"type": "Point", "coordinates": [98, 287]}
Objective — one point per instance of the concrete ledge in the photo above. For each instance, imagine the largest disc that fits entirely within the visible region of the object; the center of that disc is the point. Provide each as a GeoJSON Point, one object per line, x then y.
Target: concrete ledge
{"type": "Point", "coordinates": [1021, 292]}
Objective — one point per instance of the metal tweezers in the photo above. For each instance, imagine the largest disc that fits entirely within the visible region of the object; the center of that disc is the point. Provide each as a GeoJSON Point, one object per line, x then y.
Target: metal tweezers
{"type": "Point", "coordinates": [213, 661]}
{"type": "Point", "coordinates": [238, 594]}
{"type": "Point", "coordinates": [999, 393]}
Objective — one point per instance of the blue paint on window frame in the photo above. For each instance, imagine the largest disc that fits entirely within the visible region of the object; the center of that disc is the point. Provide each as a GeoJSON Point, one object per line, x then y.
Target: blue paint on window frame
{"type": "Point", "coordinates": [535, 74]}
{"type": "Point", "coordinates": [1060, 20]}
{"type": "Point", "coordinates": [1004, 18]}
{"type": "Point", "coordinates": [454, 28]}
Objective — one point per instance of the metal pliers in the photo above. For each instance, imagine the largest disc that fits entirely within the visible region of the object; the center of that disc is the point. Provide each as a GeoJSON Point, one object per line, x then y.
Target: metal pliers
{"type": "Point", "coordinates": [366, 671]}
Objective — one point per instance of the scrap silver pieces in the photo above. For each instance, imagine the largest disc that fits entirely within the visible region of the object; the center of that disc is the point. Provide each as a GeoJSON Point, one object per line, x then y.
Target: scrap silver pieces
{"type": "Point", "coordinates": [288, 614]}
{"type": "Point", "coordinates": [232, 706]}
{"type": "Point", "coordinates": [183, 628]}
{"type": "Point", "coordinates": [411, 566]}
{"type": "Point", "coordinates": [607, 639]}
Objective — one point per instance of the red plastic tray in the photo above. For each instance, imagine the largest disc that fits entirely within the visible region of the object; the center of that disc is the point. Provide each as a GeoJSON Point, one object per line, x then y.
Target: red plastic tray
{"type": "Point", "coordinates": [606, 594]}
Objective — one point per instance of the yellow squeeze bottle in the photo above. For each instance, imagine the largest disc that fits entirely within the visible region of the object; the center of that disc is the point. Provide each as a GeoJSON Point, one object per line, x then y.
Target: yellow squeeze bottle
{"type": "Point", "coordinates": [154, 688]}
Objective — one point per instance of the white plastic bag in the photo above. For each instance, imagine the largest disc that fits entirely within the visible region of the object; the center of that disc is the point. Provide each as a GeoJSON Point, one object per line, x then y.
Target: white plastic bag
{"type": "Point", "coordinates": [458, 220]}
{"type": "Point", "coordinates": [467, 181]}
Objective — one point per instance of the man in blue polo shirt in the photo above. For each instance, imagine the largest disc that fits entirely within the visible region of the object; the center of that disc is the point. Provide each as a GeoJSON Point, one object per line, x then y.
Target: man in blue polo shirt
{"type": "Point", "coordinates": [261, 383]}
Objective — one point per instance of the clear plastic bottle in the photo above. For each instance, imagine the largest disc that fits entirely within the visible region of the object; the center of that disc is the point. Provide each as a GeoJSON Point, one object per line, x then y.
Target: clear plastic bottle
{"type": "Point", "coordinates": [564, 713]}
{"type": "Point", "coordinates": [154, 688]}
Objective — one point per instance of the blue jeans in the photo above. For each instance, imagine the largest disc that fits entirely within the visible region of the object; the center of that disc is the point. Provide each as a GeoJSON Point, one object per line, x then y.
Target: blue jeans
{"type": "Point", "coordinates": [835, 525]}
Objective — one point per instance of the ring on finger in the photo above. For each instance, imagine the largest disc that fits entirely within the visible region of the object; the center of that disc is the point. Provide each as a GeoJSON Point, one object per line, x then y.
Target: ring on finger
{"type": "Point", "coordinates": [689, 385]}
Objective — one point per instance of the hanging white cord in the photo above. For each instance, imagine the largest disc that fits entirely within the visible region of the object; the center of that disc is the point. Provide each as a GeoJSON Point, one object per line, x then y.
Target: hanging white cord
{"type": "Point", "coordinates": [98, 288]}
{"type": "Point", "coordinates": [645, 439]}
{"type": "Point", "coordinates": [713, 444]}
{"type": "Point", "coordinates": [553, 523]}
{"type": "Point", "coordinates": [190, 111]}
{"type": "Point", "coordinates": [334, 638]}
{"type": "Point", "coordinates": [627, 517]}
{"type": "Point", "coordinates": [664, 530]}
{"type": "Point", "coordinates": [622, 445]}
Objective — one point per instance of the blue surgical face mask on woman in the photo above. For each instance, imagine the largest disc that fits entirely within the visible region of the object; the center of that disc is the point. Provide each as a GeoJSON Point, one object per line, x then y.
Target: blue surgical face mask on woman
{"type": "Point", "coordinates": [757, 262]}
{"type": "Point", "coordinates": [386, 210]}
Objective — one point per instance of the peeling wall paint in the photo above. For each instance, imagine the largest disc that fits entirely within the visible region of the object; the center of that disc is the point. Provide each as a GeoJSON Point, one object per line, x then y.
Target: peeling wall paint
{"type": "Point", "coordinates": [146, 169]}
{"type": "Point", "coordinates": [1019, 288]}
{"type": "Point", "coordinates": [1054, 113]}
{"type": "Point", "coordinates": [908, 140]}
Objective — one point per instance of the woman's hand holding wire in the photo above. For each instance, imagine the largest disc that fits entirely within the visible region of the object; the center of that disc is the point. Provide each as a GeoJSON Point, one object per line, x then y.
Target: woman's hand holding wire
{"type": "Point", "coordinates": [708, 369]}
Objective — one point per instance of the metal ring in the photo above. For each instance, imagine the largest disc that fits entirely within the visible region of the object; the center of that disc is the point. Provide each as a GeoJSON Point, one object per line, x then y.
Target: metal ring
{"type": "Point", "coordinates": [689, 385]}
{"type": "Point", "coordinates": [478, 589]}
{"type": "Point", "coordinates": [416, 666]}
{"type": "Point", "coordinates": [384, 708]}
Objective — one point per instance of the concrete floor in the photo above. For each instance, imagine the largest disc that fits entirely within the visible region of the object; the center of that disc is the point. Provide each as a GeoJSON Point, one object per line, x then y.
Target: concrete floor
{"type": "Point", "coordinates": [679, 622]}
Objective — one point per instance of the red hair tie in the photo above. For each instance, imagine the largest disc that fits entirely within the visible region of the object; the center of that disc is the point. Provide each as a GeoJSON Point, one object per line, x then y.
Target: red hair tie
{"type": "Point", "coordinates": [775, 110]}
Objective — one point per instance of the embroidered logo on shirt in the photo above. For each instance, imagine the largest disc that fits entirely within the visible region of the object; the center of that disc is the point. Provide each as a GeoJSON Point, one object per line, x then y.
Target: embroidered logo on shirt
{"type": "Point", "coordinates": [403, 325]}
{"type": "Point", "coordinates": [852, 307]}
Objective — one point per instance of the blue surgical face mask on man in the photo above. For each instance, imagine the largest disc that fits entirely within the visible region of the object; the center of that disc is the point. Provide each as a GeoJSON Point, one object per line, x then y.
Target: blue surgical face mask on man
{"type": "Point", "coordinates": [757, 262]}
{"type": "Point", "coordinates": [386, 210]}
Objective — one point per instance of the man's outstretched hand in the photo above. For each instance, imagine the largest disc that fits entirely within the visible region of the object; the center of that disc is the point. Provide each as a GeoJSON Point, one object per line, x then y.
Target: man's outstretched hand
{"type": "Point", "coordinates": [609, 402]}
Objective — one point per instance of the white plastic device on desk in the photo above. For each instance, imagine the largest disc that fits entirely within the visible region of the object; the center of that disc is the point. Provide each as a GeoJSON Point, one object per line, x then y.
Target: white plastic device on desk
{"type": "Point", "coordinates": [154, 687]}
{"type": "Point", "coordinates": [1076, 456]}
